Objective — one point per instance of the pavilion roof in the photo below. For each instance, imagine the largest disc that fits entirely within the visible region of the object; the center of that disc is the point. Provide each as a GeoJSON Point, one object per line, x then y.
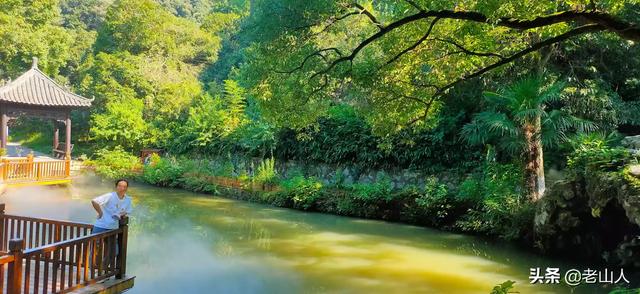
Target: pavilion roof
{"type": "Point", "coordinates": [36, 88]}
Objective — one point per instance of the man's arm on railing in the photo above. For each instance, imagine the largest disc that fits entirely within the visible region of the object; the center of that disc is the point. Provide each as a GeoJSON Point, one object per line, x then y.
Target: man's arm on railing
{"type": "Point", "coordinates": [97, 207]}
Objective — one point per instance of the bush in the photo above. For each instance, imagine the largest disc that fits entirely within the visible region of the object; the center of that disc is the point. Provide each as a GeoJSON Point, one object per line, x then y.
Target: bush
{"type": "Point", "coordinates": [380, 190]}
{"type": "Point", "coordinates": [198, 183]}
{"type": "Point", "coordinates": [303, 191]}
{"type": "Point", "coordinates": [595, 152]}
{"type": "Point", "coordinates": [435, 202]}
{"type": "Point", "coordinates": [163, 172]}
{"type": "Point", "coordinates": [266, 172]}
{"type": "Point", "coordinates": [116, 163]}
{"type": "Point", "coordinates": [499, 206]}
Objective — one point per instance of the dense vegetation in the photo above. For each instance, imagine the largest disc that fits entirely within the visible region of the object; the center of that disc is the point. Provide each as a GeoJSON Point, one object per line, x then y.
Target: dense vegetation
{"type": "Point", "coordinates": [494, 92]}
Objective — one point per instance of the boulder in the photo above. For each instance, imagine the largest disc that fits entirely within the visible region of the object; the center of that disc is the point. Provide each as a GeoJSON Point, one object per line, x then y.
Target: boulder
{"type": "Point", "coordinates": [591, 216]}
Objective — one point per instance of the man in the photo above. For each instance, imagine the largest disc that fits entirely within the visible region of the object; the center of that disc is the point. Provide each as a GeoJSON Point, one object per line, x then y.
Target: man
{"type": "Point", "coordinates": [111, 207]}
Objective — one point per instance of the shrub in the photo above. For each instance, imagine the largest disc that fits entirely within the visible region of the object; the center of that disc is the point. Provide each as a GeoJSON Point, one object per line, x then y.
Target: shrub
{"type": "Point", "coordinates": [435, 202]}
{"type": "Point", "coordinates": [595, 152]}
{"type": "Point", "coordinates": [116, 163]}
{"type": "Point", "coordinates": [302, 190]}
{"type": "Point", "coordinates": [500, 206]}
{"type": "Point", "coordinates": [266, 172]}
{"type": "Point", "coordinates": [163, 172]}
{"type": "Point", "coordinates": [380, 190]}
{"type": "Point", "coordinates": [198, 183]}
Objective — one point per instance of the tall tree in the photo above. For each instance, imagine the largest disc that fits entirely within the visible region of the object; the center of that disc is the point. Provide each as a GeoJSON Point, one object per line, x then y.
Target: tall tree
{"type": "Point", "coordinates": [518, 120]}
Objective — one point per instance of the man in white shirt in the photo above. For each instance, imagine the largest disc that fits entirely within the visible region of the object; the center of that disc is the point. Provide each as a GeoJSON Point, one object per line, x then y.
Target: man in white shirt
{"type": "Point", "coordinates": [111, 207]}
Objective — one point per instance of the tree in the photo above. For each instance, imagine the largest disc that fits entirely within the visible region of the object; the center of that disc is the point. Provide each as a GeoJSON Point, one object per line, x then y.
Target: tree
{"type": "Point", "coordinates": [398, 58]}
{"type": "Point", "coordinates": [144, 52]}
{"type": "Point", "coordinates": [122, 124]}
{"type": "Point", "coordinates": [29, 29]}
{"type": "Point", "coordinates": [520, 121]}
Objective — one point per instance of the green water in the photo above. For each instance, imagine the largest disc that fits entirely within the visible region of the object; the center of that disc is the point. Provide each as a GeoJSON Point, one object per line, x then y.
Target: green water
{"type": "Point", "coordinates": [183, 242]}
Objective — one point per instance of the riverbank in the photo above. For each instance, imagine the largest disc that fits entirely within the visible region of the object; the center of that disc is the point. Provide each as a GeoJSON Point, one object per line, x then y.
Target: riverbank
{"type": "Point", "coordinates": [180, 241]}
{"type": "Point", "coordinates": [486, 203]}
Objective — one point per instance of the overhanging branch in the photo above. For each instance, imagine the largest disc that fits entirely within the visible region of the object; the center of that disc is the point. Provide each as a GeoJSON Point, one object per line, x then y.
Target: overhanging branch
{"type": "Point", "coordinates": [577, 31]}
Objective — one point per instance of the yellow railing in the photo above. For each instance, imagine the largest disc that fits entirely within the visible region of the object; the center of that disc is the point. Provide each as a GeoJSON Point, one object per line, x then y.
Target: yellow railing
{"type": "Point", "coordinates": [14, 170]}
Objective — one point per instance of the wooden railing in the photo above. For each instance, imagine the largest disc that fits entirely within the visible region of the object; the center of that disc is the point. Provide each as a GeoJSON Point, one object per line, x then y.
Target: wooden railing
{"type": "Point", "coordinates": [27, 169]}
{"type": "Point", "coordinates": [69, 262]}
{"type": "Point", "coordinates": [37, 232]}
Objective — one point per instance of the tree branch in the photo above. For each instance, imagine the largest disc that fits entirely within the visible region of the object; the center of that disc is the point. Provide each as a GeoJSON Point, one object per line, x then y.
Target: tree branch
{"type": "Point", "coordinates": [415, 5]}
{"type": "Point", "coordinates": [379, 34]}
{"type": "Point", "coordinates": [574, 32]}
{"type": "Point", "coordinates": [416, 44]}
{"type": "Point", "coordinates": [367, 13]}
{"type": "Point", "coordinates": [593, 19]}
{"type": "Point", "coordinates": [467, 51]}
{"type": "Point", "coordinates": [306, 59]}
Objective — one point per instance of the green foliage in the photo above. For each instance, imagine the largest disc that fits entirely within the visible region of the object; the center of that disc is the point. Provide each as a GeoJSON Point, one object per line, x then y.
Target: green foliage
{"type": "Point", "coordinates": [435, 202]}
{"type": "Point", "coordinates": [150, 60]}
{"type": "Point", "coordinates": [213, 122]}
{"type": "Point", "coordinates": [302, 190]}
{"type": "Point", "coordinates": [380, 190]}
{"type": "Point", "coordinates": [498, 206]}
{"type": "Point", "coordinates": [266, 172]}
{"type": "Point", "coordinates": [504, 288]}
{"type": "Point", "coordinates": [346, 137]}
{"type": "Point", "coordinates": [164, 172]}
{"type": "Point", "coordinates": [116, 163]}
{"type": "Point", "coordinates": [30, 29]}
{"type": "Point", "coordinates": [595, 152]}
{"type": "Point", "coordinates": [122, 124]}
{"type": "Point", "coordinates": [518, 107]}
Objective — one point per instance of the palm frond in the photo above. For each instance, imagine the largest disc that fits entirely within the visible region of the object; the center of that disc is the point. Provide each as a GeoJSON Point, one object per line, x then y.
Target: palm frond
{"type": "Point", "coordinates": [495, 99]}
{"type": "Point", "coordinates": [497, 123]}
{"type": "Point", "coordinates": [529, 114]}
{"type": "Point", "coordinates": [552, 93]}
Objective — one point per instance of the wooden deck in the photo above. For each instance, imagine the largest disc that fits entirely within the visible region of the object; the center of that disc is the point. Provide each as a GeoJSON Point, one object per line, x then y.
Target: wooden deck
{"type": "Point", "coordinates": [51, 256]}
{"type": "Point", "coordinates": [23, 171]}
{"type": "Point", "coordinates": [106, 285]}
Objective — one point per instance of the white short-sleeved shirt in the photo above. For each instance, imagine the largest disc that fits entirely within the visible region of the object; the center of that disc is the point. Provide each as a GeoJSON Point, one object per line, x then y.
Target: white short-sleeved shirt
{"type": "Point", "coordinates": [112, 206]}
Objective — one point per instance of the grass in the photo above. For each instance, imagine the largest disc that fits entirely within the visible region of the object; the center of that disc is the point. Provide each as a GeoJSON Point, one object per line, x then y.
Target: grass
{"type": "Point", "coordinates": [41, 142]}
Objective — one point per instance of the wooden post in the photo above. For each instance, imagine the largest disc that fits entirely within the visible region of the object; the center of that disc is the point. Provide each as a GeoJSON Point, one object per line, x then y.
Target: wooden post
{"type": "Point", "coordinates": [38, 170]}
{"type": "Point", "coordinates": [68, 136]}
{"type": "Point", "coordinates": [3, 135]}
{"type": "Point", "coordinates": [29, 165]}
{"type": "Point", "coordinates": [121, 258]}
{"type": "Point", "coordinates": [14, 275]}
{"type": "Point", "coordinates": [56, 135]}
{"type": "Point", "coordinates": [3, 246]}
{"type": "Point", "coordinates": [5, 169]}
{"type": "Point", "coordinates": [67, 166]}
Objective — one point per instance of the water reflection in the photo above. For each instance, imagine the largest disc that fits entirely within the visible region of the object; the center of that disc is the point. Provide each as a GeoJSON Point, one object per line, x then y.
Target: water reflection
{"type": "Point", "coordinates": [182, 242]}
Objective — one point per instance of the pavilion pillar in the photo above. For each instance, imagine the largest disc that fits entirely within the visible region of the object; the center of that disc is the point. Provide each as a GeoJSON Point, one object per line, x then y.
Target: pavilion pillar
{"type": "Point", "coordinates": [68, 136]}
{"type": "Point", "coordinates": [4, 134]}
{"type": "Point", "coordinates": [56, 134]}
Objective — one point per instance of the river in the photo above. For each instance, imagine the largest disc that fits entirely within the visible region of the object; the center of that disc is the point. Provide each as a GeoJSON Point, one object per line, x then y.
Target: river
{"type": "Point", "coordinates": [182, 242]}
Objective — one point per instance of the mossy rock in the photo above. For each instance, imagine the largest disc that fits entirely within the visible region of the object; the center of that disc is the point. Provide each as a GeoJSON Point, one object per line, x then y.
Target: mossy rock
{"type": "Point", "coordinates": [590, 216]}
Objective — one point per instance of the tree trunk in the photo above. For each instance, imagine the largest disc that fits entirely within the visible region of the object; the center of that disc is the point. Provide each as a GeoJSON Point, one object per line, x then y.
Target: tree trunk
{"type": "Point", "coordinates": [534, 169]}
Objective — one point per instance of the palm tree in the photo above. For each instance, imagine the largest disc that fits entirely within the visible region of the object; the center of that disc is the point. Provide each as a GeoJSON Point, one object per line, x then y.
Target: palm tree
{"type": "Point", "coordinates": [519, 121]}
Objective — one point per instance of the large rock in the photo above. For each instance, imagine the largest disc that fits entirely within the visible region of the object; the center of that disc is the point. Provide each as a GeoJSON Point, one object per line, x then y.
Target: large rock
{"type": "Point", "coordinates": [631, 142]}
{"type": "Point", "coordinates": [592, 216]}
{"type": "Point", "coordinates": [634, 170]}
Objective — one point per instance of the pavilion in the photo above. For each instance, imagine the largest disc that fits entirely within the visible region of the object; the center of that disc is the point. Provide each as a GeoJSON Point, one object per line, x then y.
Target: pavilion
{"type": "Point", "coordinates": [34, 94]}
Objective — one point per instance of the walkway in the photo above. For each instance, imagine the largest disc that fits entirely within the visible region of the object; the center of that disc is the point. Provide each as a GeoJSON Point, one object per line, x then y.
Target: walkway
{"type": "Point", "coordinates": [17, 150]}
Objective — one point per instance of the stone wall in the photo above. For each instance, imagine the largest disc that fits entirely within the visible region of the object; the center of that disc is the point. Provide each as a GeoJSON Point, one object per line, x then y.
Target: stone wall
{"type": "Point", "coordinates": [330, 174]}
